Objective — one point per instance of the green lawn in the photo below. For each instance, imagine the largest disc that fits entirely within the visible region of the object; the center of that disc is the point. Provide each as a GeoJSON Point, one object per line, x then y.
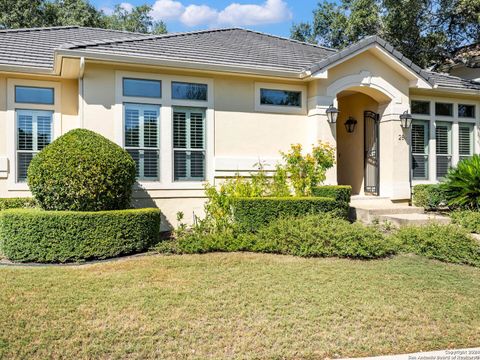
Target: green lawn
{"type": "Point", "coordinates": [237, 306]}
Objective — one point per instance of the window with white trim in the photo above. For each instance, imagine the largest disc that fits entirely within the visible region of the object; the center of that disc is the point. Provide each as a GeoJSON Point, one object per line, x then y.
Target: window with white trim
{"type": "Point", "coordinates": [420, 131]}
{"type": "Point", "coordinates": [141, 139]}
{"type": "Point", "coordinates": [188, 144]}
{"type": "Point", "coordinates": [443, 136]}
{"type": "Point", "coordinates": [34, 132]}
{"type": "Point", "coordinates": [465, 140]}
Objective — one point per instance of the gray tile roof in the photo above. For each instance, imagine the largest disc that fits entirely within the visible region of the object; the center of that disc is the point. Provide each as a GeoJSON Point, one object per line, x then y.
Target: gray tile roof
{"type": "Point", "coordinates": [235, 47]}
{"type": "Point", "coordinates": [35, 47]}
{"type": "Point", "coordinates": [223, 47]}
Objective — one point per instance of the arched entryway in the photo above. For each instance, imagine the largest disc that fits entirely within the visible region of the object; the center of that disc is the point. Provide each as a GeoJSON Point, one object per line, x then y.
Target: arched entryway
{"type": "Point", "coordinates": [358, 155]}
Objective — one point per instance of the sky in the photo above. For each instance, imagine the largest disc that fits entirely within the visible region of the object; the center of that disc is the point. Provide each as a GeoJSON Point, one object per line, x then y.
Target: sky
{"type": "Point", "coordinates": [271, 16]}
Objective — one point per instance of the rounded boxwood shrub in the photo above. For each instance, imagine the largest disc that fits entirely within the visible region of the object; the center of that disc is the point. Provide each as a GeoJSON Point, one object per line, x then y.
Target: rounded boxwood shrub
{"type": "Point", "coordinates": [82, 171]}
{"type": "Point", "coordinates": [28, 235]}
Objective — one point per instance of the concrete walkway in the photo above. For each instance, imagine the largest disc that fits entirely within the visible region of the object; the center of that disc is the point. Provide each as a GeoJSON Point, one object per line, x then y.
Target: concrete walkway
{"type": "Point", "coordinates": [461, 354]}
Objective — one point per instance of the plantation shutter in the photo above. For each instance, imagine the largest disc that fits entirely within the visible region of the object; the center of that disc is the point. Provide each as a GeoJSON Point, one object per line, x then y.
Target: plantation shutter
{"type": "Point", "coordinates": [142, 139]}
{"type": "Point", "coordinates": [420, 137]}
{"type": "Point", "coordinates": [189, 144]}
{"type": "Point", "coordinates": [34, 132]}
{"type": "Point", "coordinates": [465, 140]}
{"type": "Point", "coordinates": [443, 148]}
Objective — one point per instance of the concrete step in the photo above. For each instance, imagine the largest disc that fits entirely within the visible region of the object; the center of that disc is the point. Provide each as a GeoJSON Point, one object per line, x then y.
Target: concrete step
{"type": "Point", "coordinates": [414, 219]}
{"type": "Point", "coordinates": [368, 211]}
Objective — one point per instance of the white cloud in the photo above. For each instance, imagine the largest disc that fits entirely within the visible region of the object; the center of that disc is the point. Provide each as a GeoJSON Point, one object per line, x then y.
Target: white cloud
{"type": "Point", "coordinates": [195, 15]}
{"type": "Point", "coordinates": [271, 11]}
{"type": "Point", "coordinates": [167, 9]}
{"type": "Point", "coordinates": [127, 6]}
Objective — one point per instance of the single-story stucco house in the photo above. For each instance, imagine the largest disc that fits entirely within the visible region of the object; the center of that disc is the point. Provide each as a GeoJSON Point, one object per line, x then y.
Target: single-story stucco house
{"type": "Point", "coordinates": [201, 106]}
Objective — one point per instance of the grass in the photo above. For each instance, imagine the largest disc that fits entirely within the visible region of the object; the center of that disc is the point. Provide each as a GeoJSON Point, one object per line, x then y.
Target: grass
{"type": "Point", "coordinates": [237, 306]}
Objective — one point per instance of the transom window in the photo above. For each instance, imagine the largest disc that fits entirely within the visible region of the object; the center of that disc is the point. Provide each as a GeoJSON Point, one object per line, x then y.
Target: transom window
{"type": "Point", "coordinates": [420, 130]}
{"type": "Point", "coordinates": [142, 139]}
{"type": "Point", "coordinates": [189, 91]}
{"type": "Point", "coordinates": [443, 109]}
{"type": "Point", "coordinates": [443, 136]}
{"type": "Point", "coordinates": [420, 107]}
{"type": "Point", "coordinates": [142, 88]}
{"type": "Point", "coordinates": [34, 132]}
{"type": "Point", "coordinates": [465, 140]}
{"type": "Point", "coordinates": [34, 95]}
{"type": "Point", "coordinates": [466, 111]}
{"type": "Point", "coordinates": [280, 97]}
{"type": "Point", "coordinates": [188, 144]}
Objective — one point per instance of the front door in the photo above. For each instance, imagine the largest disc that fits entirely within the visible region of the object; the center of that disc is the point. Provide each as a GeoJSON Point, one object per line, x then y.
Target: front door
{"type": "Point", "coordinates": [371, 161]}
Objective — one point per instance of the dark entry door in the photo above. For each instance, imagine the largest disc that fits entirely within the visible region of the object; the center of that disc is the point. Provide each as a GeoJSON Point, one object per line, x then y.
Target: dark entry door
{"type": "Point", "coordinates": [371, 161]}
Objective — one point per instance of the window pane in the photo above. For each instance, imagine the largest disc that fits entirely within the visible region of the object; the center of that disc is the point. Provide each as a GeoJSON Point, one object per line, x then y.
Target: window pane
{"type": "Point", "coordinates": [465, 141]}
{"type": "Point", "coordinates": [33, 95]}
{"type": "Point", "coordinates": [196, 130]}
{"type": "Point", "coordinates": [443, 148]}
{"type": "Point", "coordinates": [180, 165]}
{"type": "Point", "coordinates": [179, 130]}
{"type": "Point", "coordinates": [197, 164]}
{"type": "Point", "coordinates": [150, 164]}
{"type": "Point", "coordinates": [23, 161]}
{"type": "Point", "coordinates": [150, 128]}
{"type": "Point", "coordinates": [44, 131]}
{"type": "Point", "coordinates": [142, 88]}
{"type": "Point", "coordinates": [25, 132]}
{"type": "Point", "coordinates": [420, 150]}
{"type": "Point", "coordinates": [132, 127]}
{"type": "Point", "coordinates": [421, 107]}
{"type": "Point", "coordinates": [189, 91]}
{"type": "Point", "coordinates": [135, 154]}
{"type": "Point", "coordinates": [466, 111]}
{"type": "Point", "coordinates": [280, 97]}
{"type": "Point", "coordinates": [443, 109]}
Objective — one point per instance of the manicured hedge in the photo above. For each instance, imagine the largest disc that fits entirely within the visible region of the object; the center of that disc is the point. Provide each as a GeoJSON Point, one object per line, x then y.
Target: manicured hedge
{"type": "Point", "coordinates": [341, 193]}
{"type": "Point", "coordinates": [253, 213]}
{"type": "Point", "coordinates": [468, 219]}
{"type": "Point", "coordinates": [17, 203]}
{"type": "Point", "coordinates": [64, 236]}
{"type": "Point", "coordinates": [429, 196]}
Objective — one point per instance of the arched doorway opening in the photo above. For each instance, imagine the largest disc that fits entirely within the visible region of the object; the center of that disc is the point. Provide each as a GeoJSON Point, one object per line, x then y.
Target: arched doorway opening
{"type": "Point", "coordinates": [358, 155]}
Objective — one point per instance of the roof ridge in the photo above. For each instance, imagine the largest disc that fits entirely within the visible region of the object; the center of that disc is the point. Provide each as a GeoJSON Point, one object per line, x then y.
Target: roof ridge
{"type": "Point", "coordinates": [286, 39]}
{"type": "Point", "coordinates": [40, 28]}
{"type": "Point", "coordinates": [72, 45]}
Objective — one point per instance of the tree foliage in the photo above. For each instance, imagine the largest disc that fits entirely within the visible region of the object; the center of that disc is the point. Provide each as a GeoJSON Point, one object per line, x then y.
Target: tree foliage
{"type": "Point", "coordinates": [426, 31]}
{"type": "Point", "coordinates": [38, 13]}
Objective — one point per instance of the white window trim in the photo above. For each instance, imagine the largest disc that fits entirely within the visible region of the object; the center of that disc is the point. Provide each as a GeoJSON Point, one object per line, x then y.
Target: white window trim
{"type": "Point", "coordinates": [454, 120]}
{"type": "Point", "coordinates": [166, 126]}
{"type": "Point", "coordinates": [301, 110]}
{"type": "Point", "coordinates": [12, 106]}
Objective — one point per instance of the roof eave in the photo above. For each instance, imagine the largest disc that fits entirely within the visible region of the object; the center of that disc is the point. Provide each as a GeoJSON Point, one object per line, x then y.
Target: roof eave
{"type": "Point", "coordinates": [27, 69]}
{"type": "Point", "coordinates": [137, 60]}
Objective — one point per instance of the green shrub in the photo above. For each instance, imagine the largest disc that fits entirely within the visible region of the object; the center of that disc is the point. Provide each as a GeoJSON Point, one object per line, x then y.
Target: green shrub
{"type": "Point", "coordinates": [341, 193]}
{"type": "Point", "coordinates": [449, 243]}
{"type": "Point", "coordinates": [323, 235]}
{"type": "Point", "coordinates": [469, 220]}
{"type": "Point", "coordinates": [462, 184]}
{"type": "Point", "coordinates": [253, 213]}
{"type": "Point", "coordinates": [429, 196]}
{"type": "Point", "coordinates": [63, 236]}
{"type": "Point", "coordinates": [82, 171]}
{"type": "Point", "coordinates": [17, 203]}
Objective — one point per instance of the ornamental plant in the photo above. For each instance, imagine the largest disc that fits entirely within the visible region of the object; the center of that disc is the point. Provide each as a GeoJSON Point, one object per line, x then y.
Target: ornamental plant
{"type": "Point", "coordinates": [462, 184]}
{"type": "Point", "coordinates": [307, 171]}
{"type": "Point", "coordinates": [82, 171]}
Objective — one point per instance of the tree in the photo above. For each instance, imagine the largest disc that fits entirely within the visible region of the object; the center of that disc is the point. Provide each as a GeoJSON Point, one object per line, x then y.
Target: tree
{"type": "Point", "coordinates": [37, 13]}
{"type": "Point", "coordinates": [138, 19]}
{"type": "Point", "coordinates": [426, 31]}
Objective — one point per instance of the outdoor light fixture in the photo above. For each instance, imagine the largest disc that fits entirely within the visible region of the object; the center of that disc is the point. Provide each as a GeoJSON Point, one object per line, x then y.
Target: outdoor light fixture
{"type": "Point", "coordinates": [332, 114]}
{"type": "Point", "coordinates": [350, 124]}
{"type": "Point", "coordinates": [406, 119]}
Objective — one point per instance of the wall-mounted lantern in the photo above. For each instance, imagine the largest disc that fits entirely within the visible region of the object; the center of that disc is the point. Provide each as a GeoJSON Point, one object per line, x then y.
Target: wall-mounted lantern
{"type": "Point", "coordinates": [332, 114]}
{"type": "Point", "coordinates": [350, 124]}
{"type": "Point", "coordinates": [406, 120]}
